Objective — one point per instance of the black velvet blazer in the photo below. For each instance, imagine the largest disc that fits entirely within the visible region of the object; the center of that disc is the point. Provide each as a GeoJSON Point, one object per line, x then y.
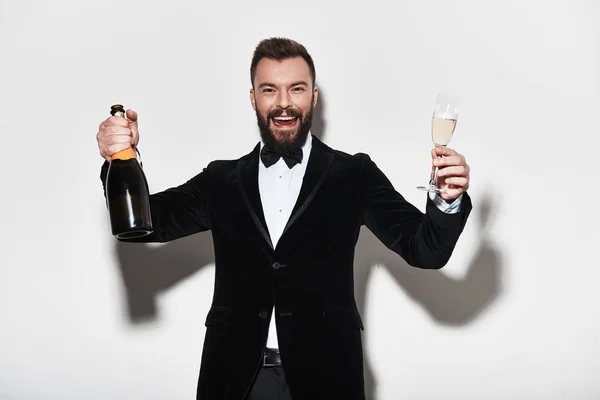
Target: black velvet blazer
{"type": "Point", "coordinates": [308, 277]}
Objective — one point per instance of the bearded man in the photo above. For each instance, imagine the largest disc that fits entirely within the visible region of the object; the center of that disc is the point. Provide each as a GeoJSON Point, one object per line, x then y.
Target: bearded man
{"type": "Point", "coordinates": [285, 219]}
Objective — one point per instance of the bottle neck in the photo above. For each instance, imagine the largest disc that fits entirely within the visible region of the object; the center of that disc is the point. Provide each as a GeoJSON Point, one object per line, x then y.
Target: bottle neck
{"type": "Point", "coordinates": [126, 154]}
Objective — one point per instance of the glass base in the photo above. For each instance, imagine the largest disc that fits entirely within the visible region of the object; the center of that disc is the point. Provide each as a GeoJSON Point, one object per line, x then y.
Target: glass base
{"type": "Point", "coordinates": [133, 234]}
{"type": "Point", "coordinates": [431, 188]}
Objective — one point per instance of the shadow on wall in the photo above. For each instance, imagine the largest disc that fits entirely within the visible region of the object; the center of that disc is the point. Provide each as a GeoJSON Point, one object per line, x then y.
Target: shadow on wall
{"type": "Point", "coordinates": [148, 271]}
{"type": "Point", "coordinates": [449, 301]}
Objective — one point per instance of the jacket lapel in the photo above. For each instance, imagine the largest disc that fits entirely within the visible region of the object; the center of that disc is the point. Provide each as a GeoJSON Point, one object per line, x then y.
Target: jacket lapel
{"type": "Point", "coordinates": [247, 178]}
{"type": "Point", "coordinates": [319, 162]}
{"type": "Point", "coordinates": [318, 166]}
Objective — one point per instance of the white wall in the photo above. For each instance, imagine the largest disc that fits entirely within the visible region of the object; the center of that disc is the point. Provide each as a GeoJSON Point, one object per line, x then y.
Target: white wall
{"type": "Point", "coordinates": [515, 314]}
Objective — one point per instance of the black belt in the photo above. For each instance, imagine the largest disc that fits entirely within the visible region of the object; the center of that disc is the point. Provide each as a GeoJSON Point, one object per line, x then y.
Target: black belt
{"type": "Point", "coordinates": [271, 358]}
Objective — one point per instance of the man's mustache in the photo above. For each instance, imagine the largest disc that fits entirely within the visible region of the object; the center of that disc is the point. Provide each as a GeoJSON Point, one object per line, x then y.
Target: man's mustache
{"type": "Point", "coordinates": [289, 112]}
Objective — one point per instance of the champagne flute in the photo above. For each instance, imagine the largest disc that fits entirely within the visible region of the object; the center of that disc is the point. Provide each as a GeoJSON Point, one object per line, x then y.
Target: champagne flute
{"type": "Point", "coordinates": [443, 122]}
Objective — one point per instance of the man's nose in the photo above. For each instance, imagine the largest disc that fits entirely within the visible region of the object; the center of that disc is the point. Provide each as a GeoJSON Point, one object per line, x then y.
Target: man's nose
{"type": "Point", "coordinates": [283, 101]}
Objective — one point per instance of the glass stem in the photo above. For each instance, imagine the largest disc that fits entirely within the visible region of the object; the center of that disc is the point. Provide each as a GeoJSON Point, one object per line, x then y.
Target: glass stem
{"type": "Point", "coordinates": [435, 174]}
{"type": "Point", "coordinates": [435, 178]}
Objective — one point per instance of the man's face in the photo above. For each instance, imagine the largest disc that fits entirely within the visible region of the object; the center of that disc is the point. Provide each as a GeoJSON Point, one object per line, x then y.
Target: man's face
{"type": "Point", "coordinates": [283, 97]}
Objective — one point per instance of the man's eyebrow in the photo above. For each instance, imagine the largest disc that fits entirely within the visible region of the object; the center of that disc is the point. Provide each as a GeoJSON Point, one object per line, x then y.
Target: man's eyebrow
{"type": "Point", "coordinates": [266, 84]}
{"type": "Point", "coordinates": [299, 83]}
{"type": "Point", "coordinates": [269, 84]}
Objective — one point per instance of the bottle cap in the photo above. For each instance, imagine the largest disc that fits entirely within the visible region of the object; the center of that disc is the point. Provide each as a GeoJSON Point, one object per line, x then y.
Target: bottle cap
{"type": "Point", "coordinates": [117, 108]}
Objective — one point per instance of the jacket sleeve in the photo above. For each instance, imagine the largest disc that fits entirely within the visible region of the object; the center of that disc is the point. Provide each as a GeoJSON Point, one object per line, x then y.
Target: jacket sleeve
{"type": "Point", "coordinates": [176, 212]}
{"type": "Point", "coordinates": [423, 240]}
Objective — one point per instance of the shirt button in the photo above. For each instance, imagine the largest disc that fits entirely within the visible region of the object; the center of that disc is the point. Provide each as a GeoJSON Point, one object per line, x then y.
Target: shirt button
{"type": "Point", "coordinates": [263, 314]}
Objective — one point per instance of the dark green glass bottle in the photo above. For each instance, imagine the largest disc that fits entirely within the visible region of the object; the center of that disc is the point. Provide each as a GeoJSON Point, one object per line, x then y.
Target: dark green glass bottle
{"type": "Point", "coordinates": [127, 193]}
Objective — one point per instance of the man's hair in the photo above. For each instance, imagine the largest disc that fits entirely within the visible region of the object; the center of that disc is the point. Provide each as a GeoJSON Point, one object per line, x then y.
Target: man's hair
{"type": "Point", "coordinates": [280, 49]}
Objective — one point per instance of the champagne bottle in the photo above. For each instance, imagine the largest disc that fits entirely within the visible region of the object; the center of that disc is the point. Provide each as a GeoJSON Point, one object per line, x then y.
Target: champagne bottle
{"type": "Point", "coordinates": [127, 193]}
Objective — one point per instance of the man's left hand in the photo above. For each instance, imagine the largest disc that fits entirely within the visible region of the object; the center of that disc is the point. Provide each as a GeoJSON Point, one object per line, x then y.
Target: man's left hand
{"type": "Point", "coordinates": [453, 173]}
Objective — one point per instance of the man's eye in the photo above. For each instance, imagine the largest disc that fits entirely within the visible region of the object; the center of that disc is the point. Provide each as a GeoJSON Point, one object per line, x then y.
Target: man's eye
{"type": "Point", "coordinates": [298, 89]}
{"type": "Point", "coordinates": [267, 90]}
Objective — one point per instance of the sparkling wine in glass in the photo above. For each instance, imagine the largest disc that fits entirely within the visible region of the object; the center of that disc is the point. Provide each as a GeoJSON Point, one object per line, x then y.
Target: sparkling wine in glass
{"type": "Point", "coordinates": [443, 123]}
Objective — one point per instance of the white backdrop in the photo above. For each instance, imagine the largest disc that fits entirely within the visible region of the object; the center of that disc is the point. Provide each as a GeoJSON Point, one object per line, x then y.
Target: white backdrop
{"type": "Point", "coordinates": [514, 314]}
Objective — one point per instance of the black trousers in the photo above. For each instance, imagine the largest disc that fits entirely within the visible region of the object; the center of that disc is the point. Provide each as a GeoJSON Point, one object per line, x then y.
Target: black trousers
{"type": "Point", "coordinates": [270, 385]}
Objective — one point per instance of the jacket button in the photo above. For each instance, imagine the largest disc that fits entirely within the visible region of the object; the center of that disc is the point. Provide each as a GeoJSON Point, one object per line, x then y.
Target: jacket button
{"type": "Point", "coordinates": [263, 314]}
{"type": "Point", "coordinates": [276, 265]}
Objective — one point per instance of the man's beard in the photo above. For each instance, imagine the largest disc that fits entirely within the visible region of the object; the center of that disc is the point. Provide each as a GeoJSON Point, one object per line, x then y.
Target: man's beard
{"type": "Point", "coordinates": [290, 142]}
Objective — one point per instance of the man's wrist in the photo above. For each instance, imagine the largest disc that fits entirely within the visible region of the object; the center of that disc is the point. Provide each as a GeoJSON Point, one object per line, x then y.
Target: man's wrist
{"type": "Point", "coordinates": [446, 206]}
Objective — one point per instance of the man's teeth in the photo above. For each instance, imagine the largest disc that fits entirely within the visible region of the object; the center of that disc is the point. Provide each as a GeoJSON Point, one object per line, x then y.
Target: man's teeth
{"type": "Point", "coordinates": [284, 118]}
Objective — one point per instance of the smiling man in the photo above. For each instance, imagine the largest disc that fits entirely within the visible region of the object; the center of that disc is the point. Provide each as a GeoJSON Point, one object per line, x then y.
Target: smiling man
{"type": "Point", "coordinates": [284, 96]}
{"type": "Point", "coordinates": [285, 219]}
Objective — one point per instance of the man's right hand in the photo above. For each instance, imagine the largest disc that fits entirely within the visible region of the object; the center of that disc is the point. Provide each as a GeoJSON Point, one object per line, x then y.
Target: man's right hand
{"type": "Point", "coordinates": [117, 133]}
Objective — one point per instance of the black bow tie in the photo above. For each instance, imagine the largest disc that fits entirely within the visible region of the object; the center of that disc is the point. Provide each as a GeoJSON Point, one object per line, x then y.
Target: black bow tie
{"type": "Point", "coordinates": [269, 157]}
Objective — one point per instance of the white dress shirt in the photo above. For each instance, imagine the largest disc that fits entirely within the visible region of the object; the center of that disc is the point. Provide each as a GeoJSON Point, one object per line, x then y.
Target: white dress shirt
{"type": "Point", "coordinates": [279, 187]}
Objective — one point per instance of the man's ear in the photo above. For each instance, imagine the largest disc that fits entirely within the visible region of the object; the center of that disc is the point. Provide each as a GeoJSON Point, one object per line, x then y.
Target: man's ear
{"type": "Point", "coordinates": [252, 99]}
{"type": "Point", "coordinates": [315, 96]}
